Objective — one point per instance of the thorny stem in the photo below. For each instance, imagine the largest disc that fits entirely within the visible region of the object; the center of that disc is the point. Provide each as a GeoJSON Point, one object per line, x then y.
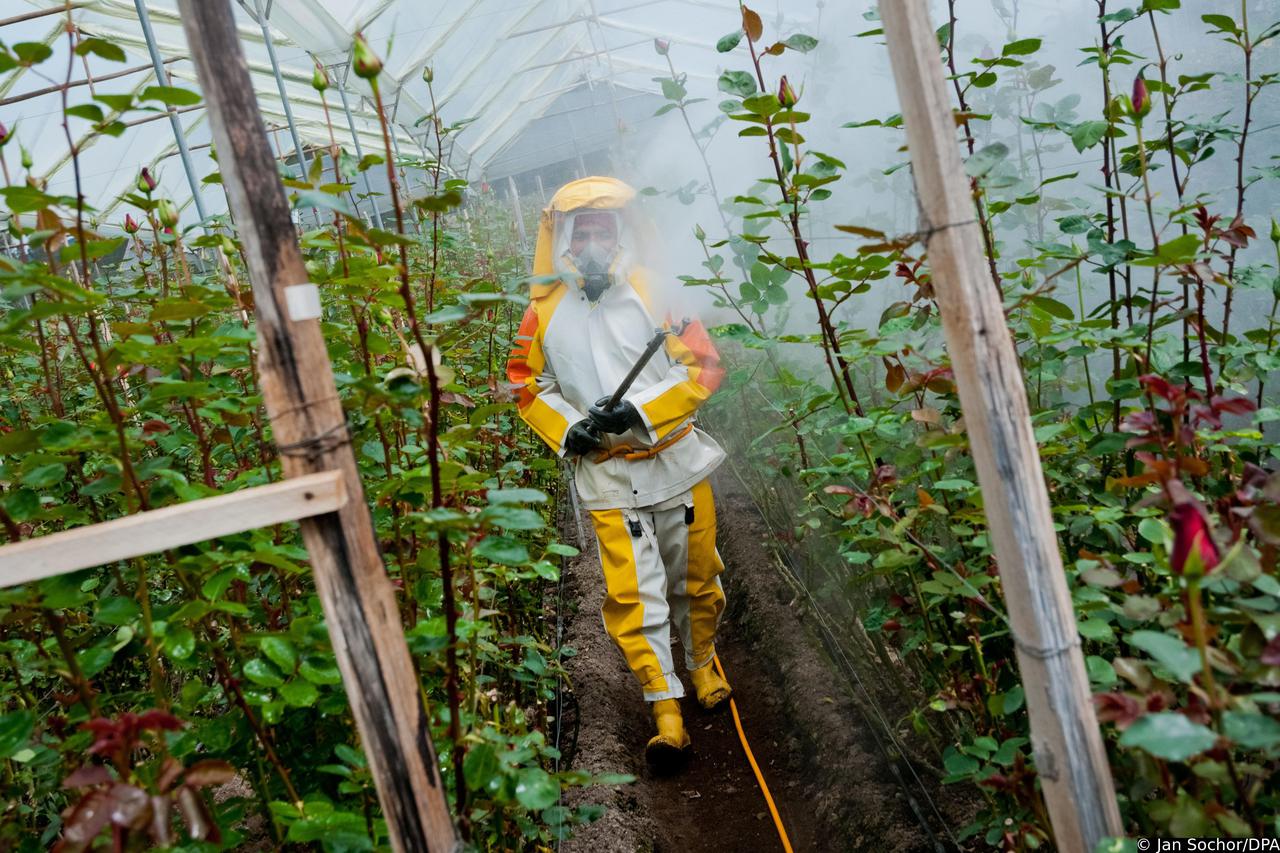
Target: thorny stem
{"type": "Point", "coordinates": [435, 190]}
{"type": "Point", "coordinates": [1250, 92]}
{"type": "Point", "coordinates": [1155, 236]}
{"type": "Point", "coordinates": [74, 673]}
{"type": "Point", "coordinates": [1174, 164]}
{"type": "Point", "coordinates": [437, 498]}
{"type": "Point", "coordinates": [1103, 58]}
{"type": "Point", "coordinates": [1271, 321]}
{"type": "Point", "coordinates": [830, 338]}
{"type": "Point", "coordinates": [716, 199]}
{"type": "Point", "coordinates": [989, 243]}
{"type": "Point", "coordinates": [97, 370]}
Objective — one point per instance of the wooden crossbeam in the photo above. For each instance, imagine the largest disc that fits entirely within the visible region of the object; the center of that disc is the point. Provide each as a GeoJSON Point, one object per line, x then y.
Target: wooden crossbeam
{"type": "Point", "coordinates": [170, 527]}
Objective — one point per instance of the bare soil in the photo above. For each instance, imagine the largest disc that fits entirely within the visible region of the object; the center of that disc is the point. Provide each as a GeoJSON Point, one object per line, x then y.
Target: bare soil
{"type": "Point", "coordinates": [833, 788]}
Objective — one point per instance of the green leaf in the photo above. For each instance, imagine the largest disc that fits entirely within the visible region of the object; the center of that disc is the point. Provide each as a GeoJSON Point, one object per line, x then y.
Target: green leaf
{"type": "Point", "coordinates": [171, 96]}
{"type": "Point", "coordinates": [307, 199]}
{"type": "Point", "coordinates": [19, 441]}
{"type": "Point", "coordinates": [1075, 224]}
{"type": "Point", "coordinates": [1088, 134]}
{"type": "Point", "coordinates": [300, 693]}
{"type": "Point", "coordinates": [536, 789]}
{"type": "Point", "coordinates": [179, 642]}
{"type": "Point", "coordinates": [1168, 735]}
{"type": "Point", "coordinates": [280, 652]}
{"type": "Point", "coordinates": [738, 83]}
{"type": "Point", "coordinates": [516, 496]}
{"type": "Point", "coordinates": [1097, 629]}
{"type": "Point", "coordinates": [94, 660]}
{"type": "Point", "coordinates": [513, 517]}
{"type": "Point", "coordinates": [729, 42]}
{"type": "Point", "coordinates": [32, 52]}
{"type": "Point", "coordinates": [985, 159]}
{"type": "Point", "coordinates": [45, 475]}
{"type": "Point", "coordinates": [319, 670]}
{"type": "Point", "coordinates": [480, 765]}
{"type": "Point", "coordinates": [500, 549]}
{"type": "Point", "coordinates": [762, 105]}
{"type": "Point", "coordinates": [1221, 23]}
{"type": "Point", "coordinates": [1175, 655]}
{"type": "Point", "coordinates": [562, 549]}
{"type": "Point", "coordinates": [166, 390]}
{"type": "Point", "coordinates": [117, 610]}
{"type": "Point", "coordinates": [15, 730]}
{"type": "Point", "coordinates": [672, 90]}
{"type": "Point", "coordinates": [1179, 250]}
{"type": "Point", "coordinates": [800, 42]}
{"type": "Point", "coordinates": [101, 47]}
{"type": "Point", "coordinates": [176, 309]}
{"type": "Point", "coordinates": [89, 112]}
{"type": "Point", "coordinates": [62, 591]}
{"type": "Point", "coordinates": [1154, 531]}
{"type": "Point", "coordinates": [1021, 47]}
{"type": "Point", "coordinates": [1251, 731]}
{"type": "Point", "coordinates": [262, 672]}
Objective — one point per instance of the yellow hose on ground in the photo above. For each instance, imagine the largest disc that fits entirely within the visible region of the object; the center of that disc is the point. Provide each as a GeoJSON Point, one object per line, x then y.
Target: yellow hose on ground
{"type": "Point", "coordinates": [751, 759]}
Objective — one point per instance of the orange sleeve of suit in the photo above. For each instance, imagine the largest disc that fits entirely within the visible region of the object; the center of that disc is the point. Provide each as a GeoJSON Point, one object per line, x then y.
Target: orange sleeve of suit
{"type": "Point", "coordinates": [538, 397]}
{"type": "Point", "coordinates": [694, 375]}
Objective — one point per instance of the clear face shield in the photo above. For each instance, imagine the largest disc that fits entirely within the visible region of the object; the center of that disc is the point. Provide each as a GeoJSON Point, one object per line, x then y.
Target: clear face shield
{"type": "Point", "coordinates": [589, 248]}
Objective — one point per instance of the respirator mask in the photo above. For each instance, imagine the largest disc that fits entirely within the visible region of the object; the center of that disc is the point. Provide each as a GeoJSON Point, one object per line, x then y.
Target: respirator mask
{"type": "Point", "coordinates": [594, 263]}
{"type": "Point", "coordinates": [590, 249]}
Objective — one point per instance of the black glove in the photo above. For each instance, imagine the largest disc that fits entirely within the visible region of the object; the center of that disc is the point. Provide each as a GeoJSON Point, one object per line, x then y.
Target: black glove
{"type": "Point", "coordinates": [620, 418]}
{"type": "Point", "coordinates": [582, 438]}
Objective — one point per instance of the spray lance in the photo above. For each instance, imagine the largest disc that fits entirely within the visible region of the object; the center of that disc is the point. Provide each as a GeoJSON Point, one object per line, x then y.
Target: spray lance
{"type": "Point", "coordinates": [655, 343]}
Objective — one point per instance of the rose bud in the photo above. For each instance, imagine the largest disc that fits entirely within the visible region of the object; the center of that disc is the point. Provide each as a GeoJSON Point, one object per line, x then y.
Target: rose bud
{"type": "Point", "coordinates": [167, 213]}
{"type": "Point", "coordinates": [892, 625]}
{"type": "Point", "coordinates": [1140, 101]}
{"type": "Point", "coordinates": [662, 46]}
{"type": "Point", "coordinates": [131, 225]}
{"type": "Point", "coordinates": [365, 62]}
{"type": "Point", "coordinates": [1275, 231]}
{"type": "Point", "coordinates": [1194, 551]}
{"type": "Point", "coordinates": [428, 75]}
{"type": "Point", "coordinates": [319, 78]}
{"type": "Point", "coordinates": [786, 95]}
{"type": "Point", "coordinates": [27, 161]}
{"type": "Point", "coordinates": [5, 135]}
{"type": "Point", "coordinates": [146, 183]}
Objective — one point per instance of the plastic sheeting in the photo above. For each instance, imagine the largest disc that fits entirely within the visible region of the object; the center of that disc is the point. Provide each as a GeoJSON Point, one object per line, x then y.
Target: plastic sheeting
{"type": "Point", "coordinates": [499, 66]}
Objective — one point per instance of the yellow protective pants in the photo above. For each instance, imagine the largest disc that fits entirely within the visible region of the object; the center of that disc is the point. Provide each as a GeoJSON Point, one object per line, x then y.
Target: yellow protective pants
{"type": "Point", "coordinates": [661, 567]}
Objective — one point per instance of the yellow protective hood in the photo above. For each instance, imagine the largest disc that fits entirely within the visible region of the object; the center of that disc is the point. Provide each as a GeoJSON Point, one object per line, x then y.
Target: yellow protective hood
{"type": "Point", "coordinates": [598, 193]}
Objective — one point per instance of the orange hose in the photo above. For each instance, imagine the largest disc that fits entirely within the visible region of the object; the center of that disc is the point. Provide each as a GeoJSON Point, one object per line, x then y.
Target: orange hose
{"type": "Point", "coordinates": [751, 759]}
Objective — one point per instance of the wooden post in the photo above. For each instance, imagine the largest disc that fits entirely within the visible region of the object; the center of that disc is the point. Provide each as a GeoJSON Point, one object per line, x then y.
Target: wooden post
{"type": "Point", "coordinates": [170, 527]}
{"type": "Point", "coordinates": [310, 429]}
{"type": "Point", "coordinates": [515, 206]}
{"type": "Point", "coordinates": [1069, 753]}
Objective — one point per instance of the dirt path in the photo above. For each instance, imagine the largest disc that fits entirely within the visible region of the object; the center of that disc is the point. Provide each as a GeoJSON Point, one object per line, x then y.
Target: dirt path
{"type": "Point", "coordinates": [834, 791]}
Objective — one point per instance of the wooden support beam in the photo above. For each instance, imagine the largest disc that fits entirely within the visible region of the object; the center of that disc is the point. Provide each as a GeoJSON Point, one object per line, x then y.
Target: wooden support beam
{"type": "Point", "coordinates": [170, 527]}
{"type": "Point", "coordinates": [310, 427]}
{"type": "Point", "coordinates": [1069, 754]}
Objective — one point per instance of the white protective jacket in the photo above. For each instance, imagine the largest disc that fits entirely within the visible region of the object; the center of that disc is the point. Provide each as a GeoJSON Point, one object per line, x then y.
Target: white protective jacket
{"type": "Point", "coordinates": [570, 352]}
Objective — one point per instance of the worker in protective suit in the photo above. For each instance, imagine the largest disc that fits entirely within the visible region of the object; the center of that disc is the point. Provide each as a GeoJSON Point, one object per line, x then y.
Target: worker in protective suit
{"type": "Point", "coordinates": [641, 467]}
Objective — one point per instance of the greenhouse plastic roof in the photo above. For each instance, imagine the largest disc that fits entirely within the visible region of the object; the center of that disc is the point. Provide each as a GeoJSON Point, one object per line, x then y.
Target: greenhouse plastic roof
{"type": "Point", "coordinates": [500, 64]}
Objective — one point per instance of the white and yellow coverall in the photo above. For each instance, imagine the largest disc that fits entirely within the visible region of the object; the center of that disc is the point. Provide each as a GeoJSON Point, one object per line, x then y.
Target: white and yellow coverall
{"type": "Point", "coordinates": [648, 493]}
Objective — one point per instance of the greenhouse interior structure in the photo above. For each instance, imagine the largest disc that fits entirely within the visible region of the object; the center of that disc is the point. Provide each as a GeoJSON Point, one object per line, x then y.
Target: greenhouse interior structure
{"type": "Point", "coordinates": [640, 425]}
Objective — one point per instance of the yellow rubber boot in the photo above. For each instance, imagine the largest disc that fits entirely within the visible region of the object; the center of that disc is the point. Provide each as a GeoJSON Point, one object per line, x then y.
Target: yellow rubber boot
{"type": "Point", "coordinates": [668, 745]}
{"type": "Point", "coordinates": [712, 690]}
